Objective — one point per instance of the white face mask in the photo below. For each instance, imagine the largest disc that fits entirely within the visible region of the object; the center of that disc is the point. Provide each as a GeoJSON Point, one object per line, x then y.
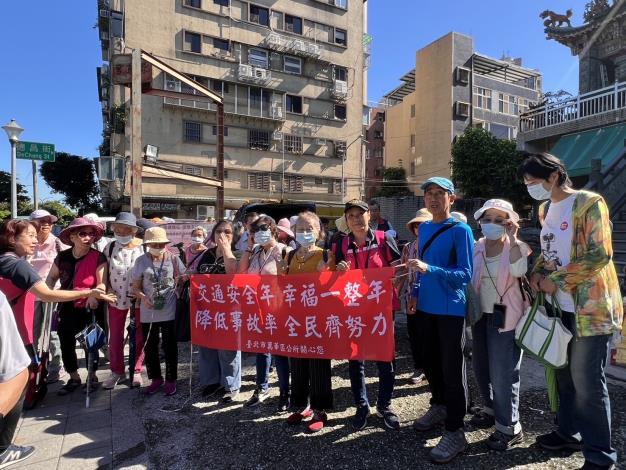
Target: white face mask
{"type": "Point", "coordinates": [492, 231]}
{"type": "Point", "coordinates": [262, 237]}
{"type": "Point", "coordinates": [156, 251]}
{"type": "Point", "coordinates": [123, 240]}
{"type": "Point", "coordinates": [305, 239]}
{"type": "Point", "coordinates": [197, 240]}
{"type": "Point", "coordinates": [538, 192]}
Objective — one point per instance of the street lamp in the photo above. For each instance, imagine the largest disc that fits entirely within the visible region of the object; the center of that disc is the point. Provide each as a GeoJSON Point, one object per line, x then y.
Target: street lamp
{"type": "Point", "coordinates": [13, 131]}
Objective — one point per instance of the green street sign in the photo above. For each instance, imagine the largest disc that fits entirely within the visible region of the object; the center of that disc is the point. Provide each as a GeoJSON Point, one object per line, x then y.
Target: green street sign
{"type": "Point", "coordinates": [35, 151]}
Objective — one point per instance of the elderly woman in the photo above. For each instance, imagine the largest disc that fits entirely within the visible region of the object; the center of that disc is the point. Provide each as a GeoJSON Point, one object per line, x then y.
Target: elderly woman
{"type": "Point", "coordinates": [500, 260]}
{"type": "Point", "coordinates": [410, 252]}
{"type": "Point", "coordinates": [196, 248]}
{"type": "Point", "coordinates": [264, 256]}
{"type": "Point", "coordinates": [219, 369]}
{"type": "Point", "coordinates": [154, 279]}
{"type": "Point", "coordinates": [576, 267]}
{"type": "Point", "coordinates": [80, 268]}
{"type": "Point", "coordinates": [22, 285]}
{"type": "Point", "coordinates": [122, 253]}
{"type": "Point", "coordinates": [311, 388]}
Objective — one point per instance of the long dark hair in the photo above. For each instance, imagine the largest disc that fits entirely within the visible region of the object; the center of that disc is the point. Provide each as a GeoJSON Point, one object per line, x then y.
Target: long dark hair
{"type": "Point", "coordinates": [542, 165]}
{"type": "Point", "coordinates": [219, 224]}
{"type": "Point", "coordinates": [12, 229]}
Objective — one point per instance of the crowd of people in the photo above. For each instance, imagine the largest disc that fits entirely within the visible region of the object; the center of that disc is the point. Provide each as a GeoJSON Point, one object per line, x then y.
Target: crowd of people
{"type": "Point", "coordinates": [438, 275]}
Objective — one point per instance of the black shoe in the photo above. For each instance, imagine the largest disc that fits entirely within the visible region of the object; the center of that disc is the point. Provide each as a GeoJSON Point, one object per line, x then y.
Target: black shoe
{"type": "Point", "coordinates": [69, 387]}
{"type": "Point", "coordinates": [283, 402]}
{"type": "Point", "coordinates": [501, 441]}
{"type": "Point", "coordinates": [211, 390]}
{"type": "Point", "coordinates": [257, 398]}
{"type": "Point", "coordinates": [14, 454]}
{"type": "Point", "coordinates": [482, 420]}
{"type": "Point", "coordinates": [592, 466]}
{"type": "Point", "coordinates": [360, 417]}
{"type": "Point", "coordinates": [389, 418]}
{"type": "Point", "coordinates": [554, 441]}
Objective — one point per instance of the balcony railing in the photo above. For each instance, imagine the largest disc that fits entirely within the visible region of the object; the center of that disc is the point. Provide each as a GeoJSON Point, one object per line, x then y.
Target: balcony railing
{"type": "Point", "coordinates": [594, 103]}
{"type": "Point", "coordinates": [271, 112]}
{"type": "Point", "coordinates": [299, 47]}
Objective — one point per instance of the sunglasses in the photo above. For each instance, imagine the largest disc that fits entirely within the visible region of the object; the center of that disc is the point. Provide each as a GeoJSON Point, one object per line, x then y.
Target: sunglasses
{"type": "Point", "coordinates": [260, 228]}
{"type": "Point", "coordinates": [84, 234]}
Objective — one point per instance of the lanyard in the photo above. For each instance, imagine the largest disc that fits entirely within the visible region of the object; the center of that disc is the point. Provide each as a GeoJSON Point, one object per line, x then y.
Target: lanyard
{"type": "Point", "coordinates": [492, 281]}
{"type": "Point", "coordinates": [267, 255]}
{"type": "Point", "coordinates": [157, 277]}
{"type": "Point", "coordinates": [357, 252]}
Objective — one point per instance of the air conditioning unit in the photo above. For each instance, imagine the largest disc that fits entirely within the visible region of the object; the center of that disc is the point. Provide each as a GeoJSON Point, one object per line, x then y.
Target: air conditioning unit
{"type": "Point", "coordinates": [262, 74]}
{"type": "Point", "coordinates": [298, 45]}
{"type": "Point", "coordinates": [462, 75]}
{"type": "Point", "coordinates": [104, 13]}
{"type": "Point", "coordinates": [118, 45]}
{"type": "Point", "coordinates": [277, 112]}
{"type": "Point", "coordinates": [314, 49]}
{"type": "Point", "coordinates": [461, 108]}
{"type": "Point", "coordinates": [340, 89]}
{"type": "Point", "coordinates": [172, 85]}
{"type": "Point", "coordinates": [274, 40]}
{"type": "Point", "coordinates": [277, 135]}
{"type": "Point", "coordinates": [320, 141]}
{"type": "Point", "coordinates": [245, 71]}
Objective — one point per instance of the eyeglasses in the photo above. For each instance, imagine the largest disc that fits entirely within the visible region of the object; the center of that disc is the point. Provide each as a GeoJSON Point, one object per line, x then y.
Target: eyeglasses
{"type": "Point", "coordinates": [260, 228]}
{"type": "Point", "coordinates": [83, 234]}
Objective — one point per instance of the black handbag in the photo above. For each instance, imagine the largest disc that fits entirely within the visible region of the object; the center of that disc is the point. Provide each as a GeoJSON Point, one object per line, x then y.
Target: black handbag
{"type": "Point", "coordinates": [183, 314]}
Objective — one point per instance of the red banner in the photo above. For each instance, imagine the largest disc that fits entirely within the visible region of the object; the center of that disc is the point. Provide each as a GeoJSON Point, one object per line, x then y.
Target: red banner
{"type": "Point", "coordinates": [328, 315]}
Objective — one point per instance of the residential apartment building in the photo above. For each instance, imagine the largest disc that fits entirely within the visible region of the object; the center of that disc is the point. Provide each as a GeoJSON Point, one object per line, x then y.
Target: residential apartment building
{"type": "Point", "coordinates": [292, 75]}
{"type": "Point", "coordinates": [450, 88]}
{"type": "Point", "coordinates": [374, 151]}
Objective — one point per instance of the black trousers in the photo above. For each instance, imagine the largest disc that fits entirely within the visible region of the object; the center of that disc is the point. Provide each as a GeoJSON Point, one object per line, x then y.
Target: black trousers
{"type": "Point", "coordinates": [311, 383]}
{"type": "Point", "coordinates": [415, 340]}
{"type": "Point", "coordinates": [72, 320]}
{"type": "Point", "coordinates": [444, 364]}
{"type": "Point", "coordinates": [8, 424]}
{"type": "Point", "coordinates": [167, 332]}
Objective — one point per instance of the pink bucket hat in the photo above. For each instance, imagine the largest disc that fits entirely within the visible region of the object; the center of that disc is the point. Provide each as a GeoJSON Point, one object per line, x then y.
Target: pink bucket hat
{"type": "Point", "coordinates": [284, 226]}
{"type": "Point", "coordinates": [77, 224]}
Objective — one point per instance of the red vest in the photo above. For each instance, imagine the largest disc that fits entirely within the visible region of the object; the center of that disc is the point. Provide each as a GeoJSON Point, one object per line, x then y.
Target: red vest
{"type": "Point", "coordinates": [23, 305]}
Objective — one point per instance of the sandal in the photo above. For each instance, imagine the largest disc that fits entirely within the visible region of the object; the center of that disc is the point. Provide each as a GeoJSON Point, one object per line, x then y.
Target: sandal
{"type": "Point", "coordinates": [69, 387]}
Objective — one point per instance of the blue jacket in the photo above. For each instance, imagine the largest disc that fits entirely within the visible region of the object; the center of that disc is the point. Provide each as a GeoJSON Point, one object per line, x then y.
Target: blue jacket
{"type": "Point", "coordinates": [449, 259]}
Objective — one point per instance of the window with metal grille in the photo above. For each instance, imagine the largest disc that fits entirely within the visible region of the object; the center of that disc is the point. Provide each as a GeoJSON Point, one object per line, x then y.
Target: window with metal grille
{"type": "Point", "coordinates": [192, 42]}
{"type": "Point", "coordinates": [192, 131]}
{"type": "Point", "coordinates": [292, 64]}
{"type": "Point", "coordinates": [258, 58]}
{"type": "Point", "coordinates": [225, 131]}
{"type": "Point", "coordinates": [259, 181]}
{"type": "Point", "coordinates": [214, 173]}
{"type": "Point", "coordinates": [293, 143]}
{"type": "Point", "coordinates": [192, 170]}
{"type": "Point", "coordinates": [341, 73]}
{"type": "Point", "coordinates": [259, 139]}
{"type": "Point", "coordinates": [220, 86]}
{"type": "Point", "coordinates": [334, 187]}
{"type": "Point", "coordinates": [293, 184]}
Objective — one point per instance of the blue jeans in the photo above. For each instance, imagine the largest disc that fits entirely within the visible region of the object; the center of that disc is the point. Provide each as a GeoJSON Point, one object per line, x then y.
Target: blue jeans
{"type": "Point", "coordinates": [263, 362]}
{"type": "Point", "coordinates": [496, 360]}
{"type": "Point", "coordinates": [386, 380]}
{"type": "Point", "coordinates": [585, 409]}
{"type": "Point", "coordinates": [220, 367]}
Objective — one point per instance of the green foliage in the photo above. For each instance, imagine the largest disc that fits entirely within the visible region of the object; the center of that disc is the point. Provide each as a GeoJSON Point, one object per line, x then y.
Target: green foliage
{"type": "Point", "coordinates": [394, 183]}
{"type": "Point", "coordinates": [75, 178]}
{"type": "Point", "coordinates": [486, 167]}
{"type": "Point", "coordinates": [5, 189]}
{"type": "Point", "coordinates": [63, 213]}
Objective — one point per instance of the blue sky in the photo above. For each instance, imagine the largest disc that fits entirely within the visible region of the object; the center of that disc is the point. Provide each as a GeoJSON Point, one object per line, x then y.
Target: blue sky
{"type": "Point", "coordinates": [48, 81]}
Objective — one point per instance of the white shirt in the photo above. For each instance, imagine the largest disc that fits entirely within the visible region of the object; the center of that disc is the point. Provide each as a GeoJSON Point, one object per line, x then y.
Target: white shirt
{"type": "Point", "coordinates": [488, 292]}
{"type": "Point", "coordinates": [556, 244]}
{"type": "Point", "coordinates": [121, 263]}
{"type": "Point", "coordinates": [13, 356]}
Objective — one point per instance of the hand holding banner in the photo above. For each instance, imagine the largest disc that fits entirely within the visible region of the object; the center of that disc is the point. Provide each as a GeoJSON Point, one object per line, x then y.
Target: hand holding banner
{"type": "Point", "coordinates": [328, 315]}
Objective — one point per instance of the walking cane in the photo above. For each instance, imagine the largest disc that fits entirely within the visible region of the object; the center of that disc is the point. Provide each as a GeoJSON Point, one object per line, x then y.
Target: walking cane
{"type": "Point", "coordinates": [132, 345]}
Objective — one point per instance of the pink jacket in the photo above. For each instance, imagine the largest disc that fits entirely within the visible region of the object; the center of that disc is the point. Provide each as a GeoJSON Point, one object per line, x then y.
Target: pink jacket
{"type": "Point", "coordinates": [515, 303]}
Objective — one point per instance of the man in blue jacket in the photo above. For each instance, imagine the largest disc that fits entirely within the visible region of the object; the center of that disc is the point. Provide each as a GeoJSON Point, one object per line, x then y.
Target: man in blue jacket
{"type": "Point", "coordinates": [444, 269]}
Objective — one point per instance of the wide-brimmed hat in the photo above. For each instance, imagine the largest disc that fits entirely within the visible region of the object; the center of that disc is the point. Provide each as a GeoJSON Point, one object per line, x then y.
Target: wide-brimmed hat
{"type": "Point", "coordinates": [155, 235]}
{"type": "Point", "coordinates": [421, 215]}
{"type": "Point", "coordinates": [43, 214]}
{"type": "Point", "coordinates": [499, 204]}
{"type": "Point", "coordinates": [443, 183]}
{"type": "Point", "coordinates": [356, 203]}
{"type": "Point", "coordinates": [78, 223]}
{"type": "Point", "coordinates": [458, 216]}
{"type": "Point", "coordinates": [127, 219]}
{"type": "Point", "coordinates": [284, 226]}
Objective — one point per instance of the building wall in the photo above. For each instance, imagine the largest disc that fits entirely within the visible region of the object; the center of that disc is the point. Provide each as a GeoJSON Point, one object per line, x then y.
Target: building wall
{"type": "Point", "coordinates": [375, 148]}
{"type": "Point", "coordinates": [161, 28]}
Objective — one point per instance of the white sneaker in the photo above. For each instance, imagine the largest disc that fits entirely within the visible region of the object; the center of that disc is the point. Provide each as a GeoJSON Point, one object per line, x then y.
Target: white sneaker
{"type": "Point", "coordinates": [112, 381]}
{"type": "Point", "coordinates": [137, 380]}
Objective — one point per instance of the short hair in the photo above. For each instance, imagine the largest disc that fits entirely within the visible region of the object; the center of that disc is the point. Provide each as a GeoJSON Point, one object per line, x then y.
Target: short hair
{"type": "Point", "coordinates": [265, 220]}
{"type": "Point", "coordinates": [199, 227]}
{"type": "Point", "coordinates": [542, 165]}
{"type": "Point", "coordinates": [250, 215]}
{"type": "Point", "coordinates": [13, 228]}
{"type": "Point", "coordinates": [219, 224]}
{"type": "Point", "coordinates": [373, 202]}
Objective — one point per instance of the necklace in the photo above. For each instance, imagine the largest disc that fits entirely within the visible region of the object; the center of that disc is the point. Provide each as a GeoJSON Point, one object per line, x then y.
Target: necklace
{"type": "Point", "coordinates": [302, 259]}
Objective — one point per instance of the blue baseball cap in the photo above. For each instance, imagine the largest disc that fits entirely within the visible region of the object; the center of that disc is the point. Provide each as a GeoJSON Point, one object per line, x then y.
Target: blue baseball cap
{"type": "Point", "coordinates": [443, 183]}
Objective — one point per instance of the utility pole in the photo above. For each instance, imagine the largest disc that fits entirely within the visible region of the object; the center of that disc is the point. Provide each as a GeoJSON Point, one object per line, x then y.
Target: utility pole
{"type": "Point", "coordinates": [135, 152]}
{"type": "Point", "coordinates": [35, 197]}
{"type": "Point", "coordinates": [219, 200]}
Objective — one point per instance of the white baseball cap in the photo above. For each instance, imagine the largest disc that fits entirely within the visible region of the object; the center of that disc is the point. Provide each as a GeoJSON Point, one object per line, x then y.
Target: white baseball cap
{"type": "Point", "coordinates": [499, 204]}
